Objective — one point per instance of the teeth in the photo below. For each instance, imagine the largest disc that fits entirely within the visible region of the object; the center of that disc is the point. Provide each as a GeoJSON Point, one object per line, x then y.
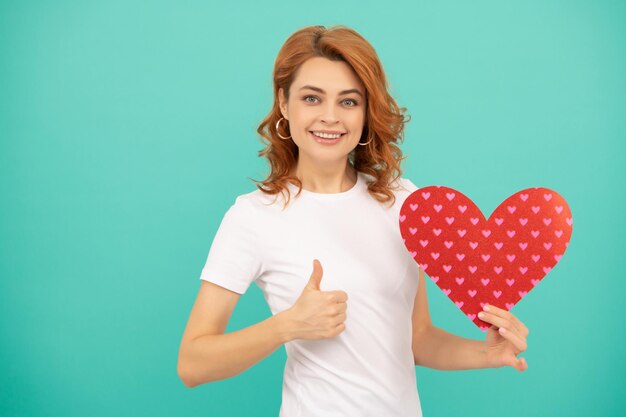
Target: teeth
{"type": "Point", "coordinates": [326, 135]}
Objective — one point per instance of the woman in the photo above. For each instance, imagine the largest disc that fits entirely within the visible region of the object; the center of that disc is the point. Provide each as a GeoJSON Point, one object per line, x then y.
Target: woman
{"type": "Point", "coordinates": [332, 198]}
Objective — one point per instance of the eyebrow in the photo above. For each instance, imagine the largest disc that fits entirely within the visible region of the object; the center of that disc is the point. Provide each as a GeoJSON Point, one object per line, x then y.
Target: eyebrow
{"type": "Point", "coordinates": [341, 93]}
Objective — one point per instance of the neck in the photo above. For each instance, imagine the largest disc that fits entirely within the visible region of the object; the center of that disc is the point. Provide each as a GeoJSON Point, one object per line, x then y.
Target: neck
{"type": "Point", "coordinates": [326, 179]}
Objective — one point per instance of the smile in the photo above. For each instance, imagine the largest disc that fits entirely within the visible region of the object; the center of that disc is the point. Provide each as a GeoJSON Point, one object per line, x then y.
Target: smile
{"type": "Point", "coordinates": [326, 137]}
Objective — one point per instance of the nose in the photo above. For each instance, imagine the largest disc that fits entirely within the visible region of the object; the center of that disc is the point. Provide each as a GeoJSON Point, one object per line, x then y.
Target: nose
{"type": "Point", "coordinates": [329, 115]}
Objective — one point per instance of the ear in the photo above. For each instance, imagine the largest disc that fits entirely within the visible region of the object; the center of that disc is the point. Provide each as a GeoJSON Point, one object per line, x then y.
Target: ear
{"type": "Point", "coordinates": [282, 103]}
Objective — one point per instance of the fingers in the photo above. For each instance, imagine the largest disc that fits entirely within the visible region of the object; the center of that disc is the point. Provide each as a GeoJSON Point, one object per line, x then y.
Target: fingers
{"type": "Point", "coordinates": [337, 296]}
{"type": "Point", "coordinates": [514, 338]}
{"type": "Point", "coordinates": [519, 363]}
{"type": "Point", "coordinates": [498, 321]}
{"type": "Point", "coordinates": [523, 364]}
{"type": "Point", "coordinates": [337, 330]}
{"type": "Point", "coordinates": [341, 308]}
{"type": "Point", "coordinates": [342, 317]}
{"type": "Point", "coordinates": [338, 325]}
{"type": "Point", "coordinates": [511, 334]}
{"type": "Point", "coordinates": [506, 319]}
{"type": "Point", "coordinates": [507, 326]}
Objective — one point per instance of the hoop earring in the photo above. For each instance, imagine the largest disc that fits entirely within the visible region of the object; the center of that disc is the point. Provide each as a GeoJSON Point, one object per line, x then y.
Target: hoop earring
{"type": "Point", "coordinates": [278, 133]}
{"type": "Point", "coordinates": [363, 144]}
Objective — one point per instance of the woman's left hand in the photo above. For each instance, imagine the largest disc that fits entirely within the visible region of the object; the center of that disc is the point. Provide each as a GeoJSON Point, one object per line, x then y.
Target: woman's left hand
{"type": "Point", "coordinates": [506, 338]}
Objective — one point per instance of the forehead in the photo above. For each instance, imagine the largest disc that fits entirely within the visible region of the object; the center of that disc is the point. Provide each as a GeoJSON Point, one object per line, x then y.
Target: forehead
{"type": "Point", "coordinates": [329, 75]}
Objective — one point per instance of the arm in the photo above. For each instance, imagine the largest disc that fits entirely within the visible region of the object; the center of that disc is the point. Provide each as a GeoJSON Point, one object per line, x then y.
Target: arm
{"type": "Point", "coordinates": [438, 349]}
{"type": "Point", "coordinates": [207, 354]}
{"type": "Point", "coordinates": [434, 347]}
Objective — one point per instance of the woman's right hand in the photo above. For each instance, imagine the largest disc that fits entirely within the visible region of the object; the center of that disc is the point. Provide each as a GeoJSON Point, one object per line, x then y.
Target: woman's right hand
{"type": "Point", "coordinates": [318, 314]}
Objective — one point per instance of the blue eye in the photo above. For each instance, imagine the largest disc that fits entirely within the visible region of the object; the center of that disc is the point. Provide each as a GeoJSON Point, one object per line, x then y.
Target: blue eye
{"type": "Point", "coordinates": [313, 99]}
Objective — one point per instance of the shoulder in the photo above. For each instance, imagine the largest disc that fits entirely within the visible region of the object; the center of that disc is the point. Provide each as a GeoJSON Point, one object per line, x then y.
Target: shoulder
{"type": "Point", "coordinates": [401, 184]}
{"type": "Point", "coordinates": [255, 203]}
{"type": "Point", "coordinates": [244, 218]}
{"type": "Point", "coordinates": [405, 185]}
{"type": "Point", "coordinates": [401, 187]}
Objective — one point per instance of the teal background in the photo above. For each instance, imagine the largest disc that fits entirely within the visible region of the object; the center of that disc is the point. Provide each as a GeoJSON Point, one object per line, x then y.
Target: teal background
{"type": "Point", "coordinates": [127, 129]}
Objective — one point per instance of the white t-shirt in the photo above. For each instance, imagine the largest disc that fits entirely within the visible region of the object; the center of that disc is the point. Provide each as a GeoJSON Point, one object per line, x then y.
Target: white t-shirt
{"type": "Point", "coordinates": [368, 369]}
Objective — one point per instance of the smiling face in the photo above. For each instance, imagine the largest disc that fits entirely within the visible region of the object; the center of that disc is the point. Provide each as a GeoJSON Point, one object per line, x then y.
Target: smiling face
{"type": "Point", "coordinates": [325, 110]}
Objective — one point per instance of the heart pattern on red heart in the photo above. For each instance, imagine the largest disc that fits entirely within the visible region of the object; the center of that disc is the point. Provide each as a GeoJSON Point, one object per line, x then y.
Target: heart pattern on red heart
{"type": "Point", "coordinates": [474, 260]}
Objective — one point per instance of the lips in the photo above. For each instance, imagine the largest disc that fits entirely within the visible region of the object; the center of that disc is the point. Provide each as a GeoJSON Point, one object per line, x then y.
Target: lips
{"type": "Point", "coordinates": [327, 141]}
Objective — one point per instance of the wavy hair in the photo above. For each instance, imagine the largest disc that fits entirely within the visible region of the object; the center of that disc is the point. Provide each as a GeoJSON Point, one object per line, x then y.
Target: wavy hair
{"type": "Point", "coordinates": [384, 121]}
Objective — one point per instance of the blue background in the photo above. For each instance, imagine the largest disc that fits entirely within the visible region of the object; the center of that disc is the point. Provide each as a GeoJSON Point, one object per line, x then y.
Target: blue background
{"type": "Point", "coordinates": [127, 129]}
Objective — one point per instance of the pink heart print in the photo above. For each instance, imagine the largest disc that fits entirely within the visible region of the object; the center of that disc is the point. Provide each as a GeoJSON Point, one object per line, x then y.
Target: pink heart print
{"type": "Point", "coordinates": [474, 260]}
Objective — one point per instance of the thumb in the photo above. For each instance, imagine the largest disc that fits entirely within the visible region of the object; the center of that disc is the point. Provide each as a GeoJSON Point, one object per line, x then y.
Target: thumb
{"type": "Point", "coordinates": [316, 276]}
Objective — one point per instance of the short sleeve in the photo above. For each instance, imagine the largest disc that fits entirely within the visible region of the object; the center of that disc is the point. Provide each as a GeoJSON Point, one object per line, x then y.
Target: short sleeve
{"type": "Point", "coordinates": [404, 190]}
{"type": "Point", "coordinates": [234, 259]}
{"type": "Point", "coordinates": [408, 184]}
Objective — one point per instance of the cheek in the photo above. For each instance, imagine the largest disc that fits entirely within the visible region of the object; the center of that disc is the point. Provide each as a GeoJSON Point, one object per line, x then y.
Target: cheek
{"type": "Point", "coordinates": [300, 116]}
{"type": "Point", "coordinates": [357, 121]}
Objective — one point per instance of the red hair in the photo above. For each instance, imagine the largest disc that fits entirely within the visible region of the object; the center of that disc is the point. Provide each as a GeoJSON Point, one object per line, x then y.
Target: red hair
{"type": "Point", "coordinates": [384, 121]}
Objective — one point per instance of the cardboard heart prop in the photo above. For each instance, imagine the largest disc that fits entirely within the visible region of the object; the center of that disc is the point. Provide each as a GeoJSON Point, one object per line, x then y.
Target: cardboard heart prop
{"type": "Point", "coordinates": [476, 261]}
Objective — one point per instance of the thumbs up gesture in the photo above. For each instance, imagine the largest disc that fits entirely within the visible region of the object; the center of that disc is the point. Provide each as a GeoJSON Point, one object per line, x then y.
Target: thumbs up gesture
{"type": "Point", "coordinates": [318, 314]}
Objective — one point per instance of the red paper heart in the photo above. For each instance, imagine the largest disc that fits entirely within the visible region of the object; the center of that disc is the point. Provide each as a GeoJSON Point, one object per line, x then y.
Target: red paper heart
{"type": "Point", "coordinates": [476, 261]}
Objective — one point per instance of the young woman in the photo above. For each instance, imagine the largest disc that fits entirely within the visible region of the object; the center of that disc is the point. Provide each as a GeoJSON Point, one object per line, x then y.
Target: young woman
{"type": "Point", "coordinates": [320, 237]}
